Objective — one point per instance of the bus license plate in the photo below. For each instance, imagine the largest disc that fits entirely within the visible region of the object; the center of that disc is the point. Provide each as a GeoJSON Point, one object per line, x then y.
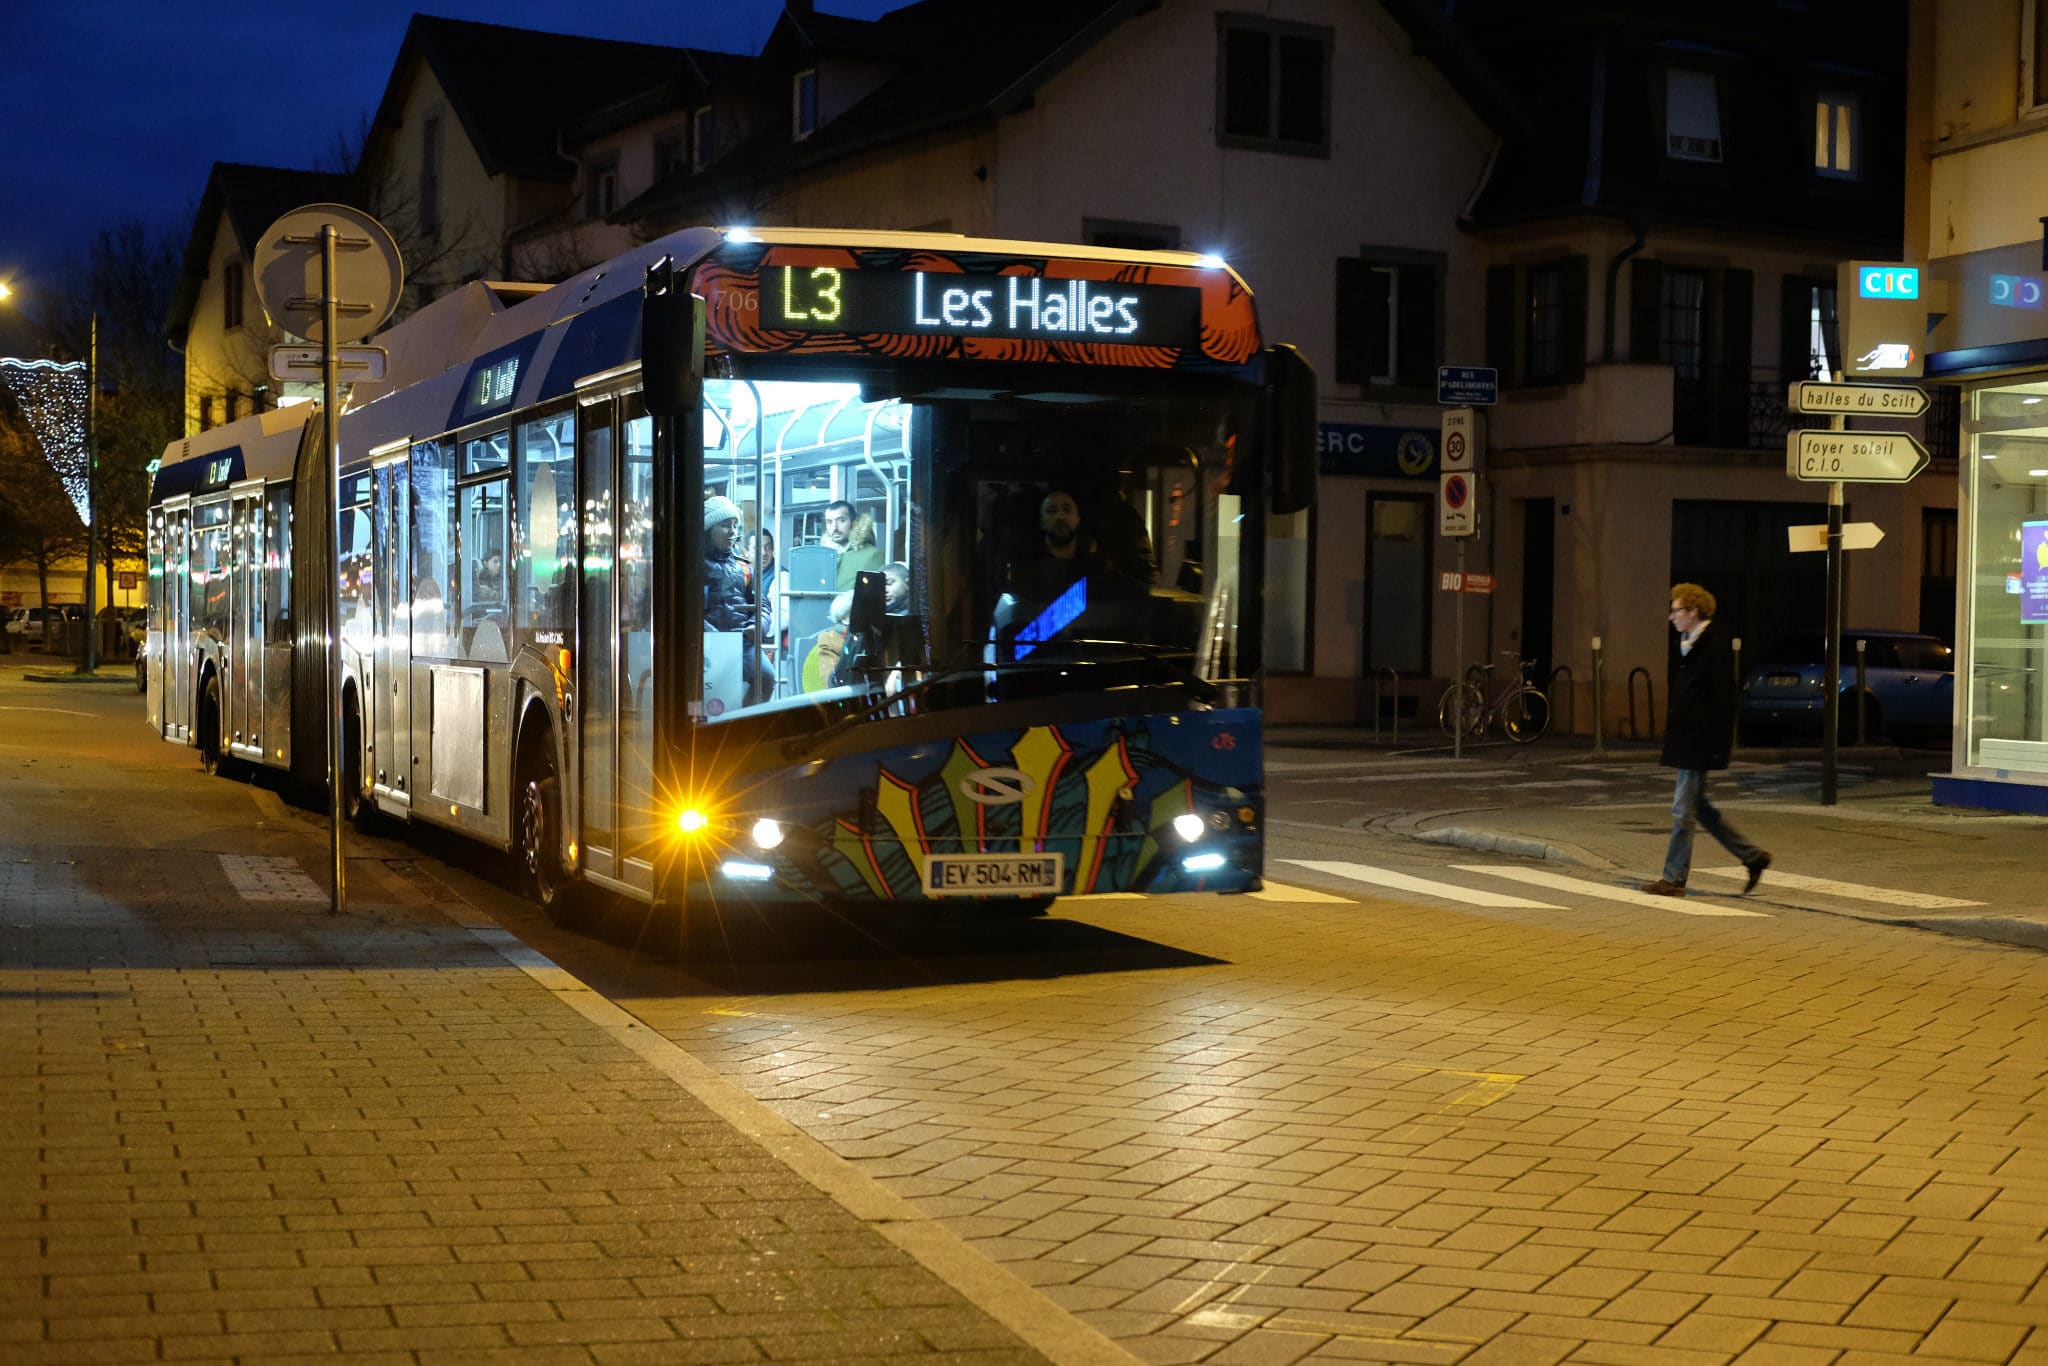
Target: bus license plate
{"type": "Point", "coordinates": [993, 874]}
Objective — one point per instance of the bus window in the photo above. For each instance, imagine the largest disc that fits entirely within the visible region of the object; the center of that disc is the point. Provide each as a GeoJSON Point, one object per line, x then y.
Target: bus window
{"type": "Point", "coordinates": [434, 600]}
{"type": "Point", "coordinates": [546, 537]}
{"type": "Point", "coordinates": [356, 552]}
{"type": "Point", "coordinates": [277, 564]}
{"type": "Point", "coordinates": [481, 545]}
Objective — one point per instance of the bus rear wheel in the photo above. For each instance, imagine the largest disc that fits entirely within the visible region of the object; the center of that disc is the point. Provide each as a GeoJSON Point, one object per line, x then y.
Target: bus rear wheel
{"type": "Point", "coordinates": [538, 833]}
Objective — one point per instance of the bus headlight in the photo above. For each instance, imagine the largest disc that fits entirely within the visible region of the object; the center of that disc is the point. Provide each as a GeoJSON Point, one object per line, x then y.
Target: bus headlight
{"type": "Point", "coordinates": [1202, 863]}
{"type": "Point", "coordinates": [691, 821]}
{"type": "Point", "coordinates": [746, 872]}
{"type": "Point", "coordinates": [1188, 826]}
{"type": "Point", "coordinates": [767, 833]}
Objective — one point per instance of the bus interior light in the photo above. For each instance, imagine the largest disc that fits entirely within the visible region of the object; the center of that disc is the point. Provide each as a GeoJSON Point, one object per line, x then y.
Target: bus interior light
{"type": "Point", "coordinates": [1188, 826]}
{"type": "Point", "coordinates": [1202, 863]}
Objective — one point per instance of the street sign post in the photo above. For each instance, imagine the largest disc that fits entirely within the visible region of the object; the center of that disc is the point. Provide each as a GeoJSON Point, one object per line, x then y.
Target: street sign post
{"type": "Point", "coordinates": [330, 275]}
{"type": "Point", "coordinates": [1459, 435]}
{"type": "Point", "coordinates": [1854, 457]}
{"type": "Point", "coordinates": [304, 365]}
{"type": "Point", "coordinates": [1855, 536]}
{"type": "Point", "coordinates": [1857, 400]}
{"type": "Point", "coordinates": [1468, 385]}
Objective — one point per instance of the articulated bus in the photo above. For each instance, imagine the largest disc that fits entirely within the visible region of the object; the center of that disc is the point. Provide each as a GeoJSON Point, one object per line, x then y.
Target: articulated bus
{"type": "Point", "coordinates": [796, 565]}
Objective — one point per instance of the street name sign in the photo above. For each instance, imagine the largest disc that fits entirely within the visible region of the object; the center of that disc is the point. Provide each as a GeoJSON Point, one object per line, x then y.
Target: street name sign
{"type": "Point", "coordinates": [1854, 457]}
{"type": "Point", "coordinates": [1855, 536]}
{"type": "Point", "coordinates": [301, 364]}
{"type": "Point", "coordinates": [1888, 400]}
{"type": "Point", "coordinates": [1468, 385]}
{"type": "Point", "coordinates": [1454, 505]}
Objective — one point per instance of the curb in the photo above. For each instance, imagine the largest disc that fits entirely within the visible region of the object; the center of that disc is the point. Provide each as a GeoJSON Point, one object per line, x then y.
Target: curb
{"type": "Point", "coordinates": [125, 680]}
{"type": "Point", "coordinates": [1492, 841]}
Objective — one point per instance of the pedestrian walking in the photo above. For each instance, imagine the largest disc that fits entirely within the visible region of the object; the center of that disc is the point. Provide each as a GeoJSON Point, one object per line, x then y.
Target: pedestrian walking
{"type": "Point", "coordinates": [1697, 737]}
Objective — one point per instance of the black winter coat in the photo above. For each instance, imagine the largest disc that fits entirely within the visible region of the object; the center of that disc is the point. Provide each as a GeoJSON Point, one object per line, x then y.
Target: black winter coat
{"type": "Point", "coordinates": [728, 594]}
{"type": "Point", "coordinates": [1701, 728]}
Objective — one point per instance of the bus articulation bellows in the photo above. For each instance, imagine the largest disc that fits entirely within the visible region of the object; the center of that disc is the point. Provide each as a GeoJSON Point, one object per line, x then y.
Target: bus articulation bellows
{"type": "Point", "coordinates": [785, 565]}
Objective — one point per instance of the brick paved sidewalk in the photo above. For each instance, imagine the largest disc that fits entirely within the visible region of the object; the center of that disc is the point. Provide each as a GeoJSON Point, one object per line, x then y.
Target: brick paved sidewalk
{"type": "Point", "coordinates": [244, 1129]}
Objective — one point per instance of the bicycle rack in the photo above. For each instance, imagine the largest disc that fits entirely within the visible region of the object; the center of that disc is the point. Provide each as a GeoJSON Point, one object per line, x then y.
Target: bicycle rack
{"type": "Point", "coordinates": [1636, 732]}
{"type": "Point", "coordinates": [1393, 678]}
{"type": "Point", "coordinates": [1563, 671]}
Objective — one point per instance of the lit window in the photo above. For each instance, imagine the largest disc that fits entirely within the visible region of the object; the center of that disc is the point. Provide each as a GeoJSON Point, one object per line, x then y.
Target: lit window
{"type": "Point", "coordinates": [1835, 150]}
{"type": "Point", "coordinates": [1692, 116]}
{"type": "Point", "coordinates": [804, 105]}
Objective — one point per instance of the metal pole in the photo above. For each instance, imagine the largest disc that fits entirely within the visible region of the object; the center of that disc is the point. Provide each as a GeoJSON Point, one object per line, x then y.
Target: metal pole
{"type": "Point", "coordinates": [91, 659]}
{"type": "Point", "coordinates": [1862, 696]}
{"type": "Point", "coordinates": [1599, 699]}
{"type": "Point", "coordinates": [330, 402]}
{"type": "Point", "coordinates": [1458, 680]}
{"type": "Point", "coordinates": [1831, 640]}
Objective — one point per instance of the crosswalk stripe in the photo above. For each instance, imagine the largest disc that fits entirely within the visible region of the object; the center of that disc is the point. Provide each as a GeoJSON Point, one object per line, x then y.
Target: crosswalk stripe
{"type": "Point", "coordinates": [1854, 891]}
{"type": "Point", "coordinates": [1682, 905]}
{"type": "Point", "coordinates": [1402, 882]}
{"type": "Point", "coordinates": [1280, 891]}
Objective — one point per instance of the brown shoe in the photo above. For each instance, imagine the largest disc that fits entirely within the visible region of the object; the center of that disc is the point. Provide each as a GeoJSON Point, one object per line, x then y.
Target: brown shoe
{"type": "Point", "coordinates": [1663, 887]}
{"type": "Point", "coordinates": [1756, 872]}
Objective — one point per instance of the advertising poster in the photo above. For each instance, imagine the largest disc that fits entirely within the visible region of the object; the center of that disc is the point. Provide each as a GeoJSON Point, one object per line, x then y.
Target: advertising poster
{"type": "Point", "coordinates": [2034, 572]}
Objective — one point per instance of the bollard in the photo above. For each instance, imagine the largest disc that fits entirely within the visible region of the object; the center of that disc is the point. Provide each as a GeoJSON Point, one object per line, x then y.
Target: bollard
{"type": "Point", "coordinates": [1862, 695]}
{"type": "Point", "coordinates": [1599, 701]}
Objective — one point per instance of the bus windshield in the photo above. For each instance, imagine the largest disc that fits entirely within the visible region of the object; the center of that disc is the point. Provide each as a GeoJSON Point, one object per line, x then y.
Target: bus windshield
{"type": "Point", "coordinates": [1031, 540]}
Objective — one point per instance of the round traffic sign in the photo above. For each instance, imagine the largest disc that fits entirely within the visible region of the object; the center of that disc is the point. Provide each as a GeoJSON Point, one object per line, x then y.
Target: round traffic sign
{"type": "Point", "coordinates": [1456, 491]}
{"type": "Point", "coordinates": [368, 273]}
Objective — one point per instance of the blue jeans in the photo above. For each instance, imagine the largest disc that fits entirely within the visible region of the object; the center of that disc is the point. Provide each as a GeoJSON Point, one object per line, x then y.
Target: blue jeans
{"type": "Point", "coordinates": [1690, 811]}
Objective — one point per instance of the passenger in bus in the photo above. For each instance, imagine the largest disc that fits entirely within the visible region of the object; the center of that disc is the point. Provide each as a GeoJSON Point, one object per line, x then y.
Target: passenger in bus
{"type": "Point", "coordinates": [490, 577]}
{"type": "Point", "coordinates": [728, 585]}
{"type": "Point", "coordinates": [1066, 551]}
{"type": "Point", "coordinates": [895, 646]}
{"type": "Point", "coordinates": [860, 553]}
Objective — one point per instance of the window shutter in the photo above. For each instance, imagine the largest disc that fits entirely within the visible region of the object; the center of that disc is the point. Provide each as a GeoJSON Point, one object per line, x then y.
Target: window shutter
{"type": "Point", "coordinates": [1645, 311]}
{"type": "Point", "coordinates": [1500, 321]}
{"type": "Point", "coordinates": [1415, 358]}
{"type": "Point", "coordinates": [1354, 277]}
{"type": "Point", "coordinates": [1738, 293]}
{"type": "Point", "coordinates": [1795, 328]}
{"type": "Point", "coordinates": [1572, 326]}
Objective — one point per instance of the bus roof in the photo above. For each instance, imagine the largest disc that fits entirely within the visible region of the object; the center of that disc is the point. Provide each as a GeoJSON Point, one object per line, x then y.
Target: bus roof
{"type": "Point", "coordinates": [262, 445]}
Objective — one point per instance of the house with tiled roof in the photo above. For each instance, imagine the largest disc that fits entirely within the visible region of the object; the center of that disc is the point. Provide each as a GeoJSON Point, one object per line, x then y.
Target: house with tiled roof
{"type": "Point", "coordinates": [215, 320]}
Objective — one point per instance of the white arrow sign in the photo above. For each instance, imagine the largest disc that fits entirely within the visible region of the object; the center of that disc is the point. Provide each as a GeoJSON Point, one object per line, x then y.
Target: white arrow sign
{"type": "Point", "coordinates": [1870, 400]}
{"type": "Point", "coordinates": [1854, 457]}
{"type": "Point", "coordinates": [1855, 536]}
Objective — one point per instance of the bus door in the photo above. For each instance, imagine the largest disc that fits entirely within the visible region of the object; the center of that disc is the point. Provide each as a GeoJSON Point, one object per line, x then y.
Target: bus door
{"type": "Point", "coordinates": [615, 651]}
{"type": "Point", "coordinates": [172, 665]}
{"type": "Point", "coordinates": [391, 709]}
{"type": "Point", "coordinates": [243, 696]}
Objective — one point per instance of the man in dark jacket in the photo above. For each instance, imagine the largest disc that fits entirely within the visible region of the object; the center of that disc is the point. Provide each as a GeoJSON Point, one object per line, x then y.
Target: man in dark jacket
{"type": "Point", "coordinates": [1698, 736]}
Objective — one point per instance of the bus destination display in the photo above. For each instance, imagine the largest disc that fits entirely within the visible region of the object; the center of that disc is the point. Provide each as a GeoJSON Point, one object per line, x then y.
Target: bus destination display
{"type": "Point", "coordinates": [836, 299]}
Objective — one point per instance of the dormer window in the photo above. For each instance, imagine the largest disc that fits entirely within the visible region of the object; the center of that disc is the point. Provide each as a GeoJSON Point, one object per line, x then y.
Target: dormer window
{"type": "Point", "coordinates": [1692, 116]}
{"type": "Point", "coordinates": [601, 192]}
{"type": "Point", "coordinates": [1837, 140]}
{"type": "Point", "coordinates": [700, 137]}
{"type": "Point", "coordinates": [803, 105]}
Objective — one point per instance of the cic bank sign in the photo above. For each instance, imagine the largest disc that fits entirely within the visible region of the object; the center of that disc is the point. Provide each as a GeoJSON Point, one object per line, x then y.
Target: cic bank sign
{"type": "Point", "coordinates": [1376, 452]}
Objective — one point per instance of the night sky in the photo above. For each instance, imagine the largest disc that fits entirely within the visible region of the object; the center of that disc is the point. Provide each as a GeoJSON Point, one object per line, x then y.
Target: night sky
{"type": "Point", "coordinates": [118, 108]}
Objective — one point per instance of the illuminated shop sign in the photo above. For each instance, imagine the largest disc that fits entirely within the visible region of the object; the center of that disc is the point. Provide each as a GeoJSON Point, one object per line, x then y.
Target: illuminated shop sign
{"type": "Point", "coordinates": [837, 299]}
{"type": "Point", "coordinates": [1888, 282]}
{"type": "Point", "coordinates": [2033, 575]}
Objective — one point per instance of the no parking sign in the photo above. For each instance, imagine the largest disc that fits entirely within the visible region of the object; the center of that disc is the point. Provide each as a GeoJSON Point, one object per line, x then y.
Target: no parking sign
{"type": "Point", "coordinates": [1454, 505]}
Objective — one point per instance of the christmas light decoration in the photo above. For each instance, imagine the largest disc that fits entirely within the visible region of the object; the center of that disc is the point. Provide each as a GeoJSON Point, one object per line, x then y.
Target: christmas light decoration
{"type": "Point", "coordinates": [52, 395]}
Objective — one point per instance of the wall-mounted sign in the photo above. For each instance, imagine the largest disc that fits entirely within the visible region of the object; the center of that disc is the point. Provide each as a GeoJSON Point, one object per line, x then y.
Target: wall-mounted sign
{"type": "Point", "coordinates": [2034, 573]}
{"type": "Point", "coordinates": [1374, 452]}
{"type": "Point", "coordinates": [2018, 291]}
{"type": "Point", "coordinates": [1454, 505]}
{"type": "Point", "coordinates": [1880, 280]}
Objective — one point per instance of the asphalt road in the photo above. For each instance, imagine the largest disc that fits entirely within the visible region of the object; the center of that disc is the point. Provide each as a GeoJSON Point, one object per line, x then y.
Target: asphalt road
{"type": "Point", "coordinates": [1418, 1101]}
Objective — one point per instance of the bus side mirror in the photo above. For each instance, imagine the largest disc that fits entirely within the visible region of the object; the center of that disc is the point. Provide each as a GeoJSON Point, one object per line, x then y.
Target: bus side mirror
{"type": "Point", "coordinates": [1290, 429]}
{"type": "Point", "coordinates": [671, 343]}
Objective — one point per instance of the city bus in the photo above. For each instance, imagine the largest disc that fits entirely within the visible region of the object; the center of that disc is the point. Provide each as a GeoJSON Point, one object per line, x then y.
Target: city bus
{"type": "Point", "coordinates": [772, 565]}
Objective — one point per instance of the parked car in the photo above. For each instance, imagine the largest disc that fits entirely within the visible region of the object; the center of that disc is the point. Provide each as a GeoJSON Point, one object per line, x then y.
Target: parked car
{"type": "Point", "coordinates": [1910, 682]}
{"type": "Point", "coordinates": [27, 623]}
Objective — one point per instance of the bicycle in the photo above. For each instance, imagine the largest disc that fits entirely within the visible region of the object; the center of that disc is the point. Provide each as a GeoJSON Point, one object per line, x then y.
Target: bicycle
{"type": "Point", "coordinates": [1520, 706]}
